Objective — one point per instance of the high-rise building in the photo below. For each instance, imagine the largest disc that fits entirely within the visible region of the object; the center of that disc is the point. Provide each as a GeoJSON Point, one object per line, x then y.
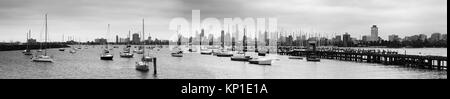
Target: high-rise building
{"type": "Point", "coordinates": [394, 37]}
{"type": "Point", "coordinates": [422, 37]}
{"type": "Point", "coordinates": [444, 37]}
{"type": "Point", "coordinates": [374, 33]}
{"type": "Point", "coordinates": [435, 37]}
{"type": "Point", "coordinates": [117, 39]}
{"type": "Point", "coordinates": [136, 38]}
{"type": "Point", "coordinates": [365, 38]}
{"type": "Point", "coordinates": [100, 41]}
{"type": "Point", "coordinates": [347, 40]}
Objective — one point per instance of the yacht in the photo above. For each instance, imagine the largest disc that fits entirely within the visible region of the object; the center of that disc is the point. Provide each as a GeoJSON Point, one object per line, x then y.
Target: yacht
{"type": "Point", "coordinates": [43, 58]}
{"type": "Point", "coordinates": [106, 55]}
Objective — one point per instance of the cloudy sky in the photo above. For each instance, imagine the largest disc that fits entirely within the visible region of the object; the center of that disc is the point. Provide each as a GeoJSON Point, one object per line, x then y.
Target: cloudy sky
{"type": "Point", "coordinates": [88, 19]}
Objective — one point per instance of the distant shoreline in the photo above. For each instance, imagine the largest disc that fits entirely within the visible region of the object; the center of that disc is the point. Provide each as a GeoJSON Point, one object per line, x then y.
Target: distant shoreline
{"type": "Point", "coordinates": [32, 47]}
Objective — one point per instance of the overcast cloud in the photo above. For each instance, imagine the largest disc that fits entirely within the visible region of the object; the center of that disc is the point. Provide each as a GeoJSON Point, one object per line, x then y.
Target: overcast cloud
{"type": "Point", "coordinates": [88, 19]}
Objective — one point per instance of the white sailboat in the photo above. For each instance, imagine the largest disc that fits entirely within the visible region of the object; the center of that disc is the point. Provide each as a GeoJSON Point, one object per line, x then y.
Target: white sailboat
{"type": "Point", "coordinates": [126, 53]}
{"type": "Point", "coordinates": [143, 65]}
{"type": "Point", "coordinates": [43, 58]}
{"type": "Point", "coordinates": [242, 56]}
{"type": "Point", "coordinates": [178, 52]}
{"type": "Point", "coordinates": [106, 55]}
{"type": "Point", "coordinates": [28, 51]}
{"type": "Point", "coordinates": [62, 49]}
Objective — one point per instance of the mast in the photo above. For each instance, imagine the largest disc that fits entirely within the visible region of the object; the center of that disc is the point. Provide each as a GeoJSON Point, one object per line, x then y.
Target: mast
{"type": "Point", "coordinates": [256, 42]}
{"type": "Point", "coordinates": [244, 41]}
{"type": "Point", "coordinates": [129, 39]}
{"type": "Point", "coordinates": [143, 37]}
{"type": "Point", "coordinates": [107, 39]}
{"type": "Point", "coordinates": [46, 34]}
{"type": "Point", "coordinates": [28, 37]}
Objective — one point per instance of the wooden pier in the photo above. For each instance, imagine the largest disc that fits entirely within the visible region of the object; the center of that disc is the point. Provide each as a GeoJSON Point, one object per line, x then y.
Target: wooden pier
{"type": "Point", "coordinates": [372, 56]}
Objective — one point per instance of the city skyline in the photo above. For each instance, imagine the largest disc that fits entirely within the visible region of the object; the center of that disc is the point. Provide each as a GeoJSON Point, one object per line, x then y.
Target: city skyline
{"type": "Point", "coordinates": [87, 20]}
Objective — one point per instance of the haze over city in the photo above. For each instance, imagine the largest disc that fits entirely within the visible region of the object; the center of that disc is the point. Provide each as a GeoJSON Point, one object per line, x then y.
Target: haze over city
{"type": "Point", "coordinates": [87, 19]}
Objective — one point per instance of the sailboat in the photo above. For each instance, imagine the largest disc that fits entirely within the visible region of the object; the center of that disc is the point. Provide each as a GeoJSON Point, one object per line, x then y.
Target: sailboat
{"type": "Point", "coordinates": [224, 52]}
{"type": "Point", "coordinates": [262, 53]}
{"type": "Point", "coordinates": [43, 58]}
{"type": "Point", "coordinates": [62, 49]}
{"type": "Point", "coordinates": [242, 56]}
{"type": "Point", "coordinates": [126, 53]}
{"type": "Point", "coordinates": [143, 64]}
{"type": "Point", "coordinates": [106, 55]}
{"type": "Point", "coordinates": [178, 52]}
{"type": "Point", "coordinates": [261, 60]}
{"type": "Point", "coordinates": [28, 51]}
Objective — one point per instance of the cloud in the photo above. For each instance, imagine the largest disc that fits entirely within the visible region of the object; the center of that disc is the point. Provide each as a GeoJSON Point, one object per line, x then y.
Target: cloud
{"type": "Point", "coordinates": [87, 19]}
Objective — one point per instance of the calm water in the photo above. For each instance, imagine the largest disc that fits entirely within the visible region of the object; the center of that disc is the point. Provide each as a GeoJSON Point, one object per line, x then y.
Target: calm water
{"type": "Point", "coordinates": [87, 64]}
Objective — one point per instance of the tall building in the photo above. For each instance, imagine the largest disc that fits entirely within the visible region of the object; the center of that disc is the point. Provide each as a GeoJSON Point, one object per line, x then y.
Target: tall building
{"type": "Point", "coordinates": [444, 37]}
{"type": "Point", "coordinates": [347, 40]}
{"type": "Point", "coordinates": [394, 37]}
{"type": "Point", "coordinates": [136, 38]}
{"type": "Point", "coordinates": [374, 33]}
{"type": "Point", "coordinates": [365, 38]}
{"type": "Point", "coordinates": [100, 41]}
{"type": "Point", "coordinates": [435, 37]}
{"type": "Point", "coordinates": [117, 39]}
{"type": "Point", "coordinates": [422, 37]}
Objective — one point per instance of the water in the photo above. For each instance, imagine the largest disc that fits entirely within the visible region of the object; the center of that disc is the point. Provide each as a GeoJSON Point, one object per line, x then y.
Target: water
{"type": "Point", "coordinates": [86, 64]}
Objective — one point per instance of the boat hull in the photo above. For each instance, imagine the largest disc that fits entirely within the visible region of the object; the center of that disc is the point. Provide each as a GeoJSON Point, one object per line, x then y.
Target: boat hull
{"type": "Point", "coordinates": [106, 58]}
{"type": "Point", "coordinates": [42, 59]}
{"type": "Point", "coordinates": [177, 55]}
{"type": "Point", "coordinates": [141, 66]}
{"type": "Point", "coordinates": [127, 55]}
{"type": "Point", "coordinates": [313, 59]}
{"type": "Point", "coordinates": [246, 58]}
{"type": "Point", "coordinates": [295, 57]}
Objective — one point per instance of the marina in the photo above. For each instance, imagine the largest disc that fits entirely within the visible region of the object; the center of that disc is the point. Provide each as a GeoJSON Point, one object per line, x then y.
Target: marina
{"type": "Point", "coordinates": [85, 65]}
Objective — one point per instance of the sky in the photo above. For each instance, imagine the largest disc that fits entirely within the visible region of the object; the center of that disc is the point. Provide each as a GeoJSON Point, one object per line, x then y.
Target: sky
{"type": "Point", "coordinates": [86, 20]}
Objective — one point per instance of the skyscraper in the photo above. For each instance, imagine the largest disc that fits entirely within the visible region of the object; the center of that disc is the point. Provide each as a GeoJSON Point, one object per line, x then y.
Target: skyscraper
{"type": "Point", "coordinates": [374, 33]}
{"type": "Point", "coordinates": [394, 37]}
{"type": "Point", "coordinates": [435, 37]}
{"type": "Point", "coordinates": [117, 39]}
{"type": "Point", "coordinates": [136, 38]}
{"type": "Point", "coordinates": [347, 40]}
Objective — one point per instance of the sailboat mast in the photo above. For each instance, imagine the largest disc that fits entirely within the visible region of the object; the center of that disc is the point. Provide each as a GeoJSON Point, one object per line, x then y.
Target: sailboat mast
{"type": "Point", "coordinates": [256, 42]}
{"type": "Point", "coordinates": [45, 34]}
{"type": "Point", "coordinates": [107, 39]}
{"type": "Point", "coordinates": [143, 38]}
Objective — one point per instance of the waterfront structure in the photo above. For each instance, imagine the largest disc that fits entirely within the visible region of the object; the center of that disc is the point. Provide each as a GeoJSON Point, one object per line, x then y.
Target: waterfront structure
{"type": "Point", "coordinates": [374, 33]}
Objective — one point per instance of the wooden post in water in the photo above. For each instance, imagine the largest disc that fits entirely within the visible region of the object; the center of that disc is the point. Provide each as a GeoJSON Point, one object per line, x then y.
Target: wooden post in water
{"type": "Point", "coordinates": [154, 66]}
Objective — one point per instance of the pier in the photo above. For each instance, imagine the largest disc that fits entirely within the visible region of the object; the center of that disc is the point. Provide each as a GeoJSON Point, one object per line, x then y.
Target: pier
{"type": "Point", "coordinates": [371, 56]}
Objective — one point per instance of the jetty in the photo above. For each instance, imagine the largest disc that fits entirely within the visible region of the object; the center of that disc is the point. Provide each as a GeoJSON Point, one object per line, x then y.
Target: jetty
{"type": "Point", "coordinates": [370, 56]}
